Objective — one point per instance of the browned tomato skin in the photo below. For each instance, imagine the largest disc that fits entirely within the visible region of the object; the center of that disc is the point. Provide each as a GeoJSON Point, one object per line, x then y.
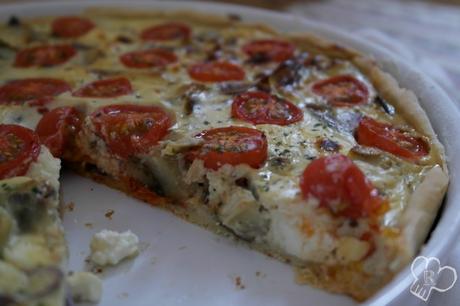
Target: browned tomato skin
{"type": "Point", "coordinates": [341, 187]}
{"type": "Point", "coordinates": [342, 91]}
{"type": "Point", "coordinates": [19, 147]}
{"type": "Point", "coordinates": [130, 129]}
{"type": "Point", "coordinates": [258, 107]}
{"type": "Point", "coordinates": [151, 58]}
{"type": "Point", "coordinates": [71, 26]}
{"type": "Point", "coordinates": [58, 128]}
{"type": "Point", "coordinates": [33, 91]}
{"type": "Point", "coordinates": [108, 88]}
{"type": "Point", "coordinates": [386, 137]}
{"type": "Point", "coordinates": [231, 145]}
{"type": "Point", "coordinates": [44, 56]}
{"type": "Point", "coordinates": [269, 50]}
{"type": "Point", "coordinates": [167, 31]}
{"type": "Point", "coordinates": [219, 71]}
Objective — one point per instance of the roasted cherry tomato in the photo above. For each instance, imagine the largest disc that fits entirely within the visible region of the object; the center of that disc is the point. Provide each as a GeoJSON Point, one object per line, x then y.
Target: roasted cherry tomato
{"type": "Point", "coordinates": [148, 58]}
{"type": "Point", "coordinates": [36, 91]}
{"type": "Point", "coordinates": [339, 185]}
{"type": "Point", "coordinates": [262, 108]}
{"type": "Point", "coordinates": [108, 88]}
{"type": "Point", "coordinates": [231, 145]}
{"type": "Point", "coordinates": [130, 129]}
{"type": "Point", "coordinates": [388, 138]}
{"type": "Point", "coordinates": [269, 50]}
{"type": "Point", "coordinates": [57, 129]}
{"type": "Point", "coordinates": [167, 31]}
{"type": "Point", "coordinates": [342, 90]}
{"type": "Point", "coordinates": [19, 147]}
{"type": "Point", "coordinates": [216, 72]}
{"type": "Point", "coordinates": [71, 26]}
{"type": "Point", "coordinates": [44, 56]}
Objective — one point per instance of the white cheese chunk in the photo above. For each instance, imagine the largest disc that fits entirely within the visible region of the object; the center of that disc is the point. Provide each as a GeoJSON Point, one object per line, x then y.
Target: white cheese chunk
{"type": "Point", "coordinates": [28, 252]}
{"type": "Point", "coordinates": [45, 168]}
{"type": "Point", "coordinates": [85, 287]}
{"type": "Point", "coordinates": [109, 247]}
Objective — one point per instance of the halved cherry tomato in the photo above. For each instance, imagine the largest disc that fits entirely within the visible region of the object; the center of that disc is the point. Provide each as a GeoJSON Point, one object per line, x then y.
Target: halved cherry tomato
{"type": "Point", "coordinates": [71, 26]}
{"type": "Point", "coordinates": [216, 72]}
{"type": "Point", "coordinates": [166, 31]}
{"type": "Point", "coordinates": [19, 147]}
{"type": "Point", "coordinates": [130, 129]}
{"type": "Point", "coordinates": [35, 91]}
{"type": "Point", "coordinates": [108, 88]}
{"type": "Point", "coordinates": [44, 56]}
{"type": "Point", "coordinates": [259, 107]}
{"type": "Point", "coordinates": [388, 138]}
{"type": "Point", "coordinates": [269, 49]}
{"type": "Point", "coordinates": [342, 90]}
{"type": "Point", "coordinates": [148, 58]}
{"type": "Point", "coordinates": [57, 128]}
{"type": "Point", "coordinates": [340, 186]}
{"type": "Point", "coordinates": [231, 145]}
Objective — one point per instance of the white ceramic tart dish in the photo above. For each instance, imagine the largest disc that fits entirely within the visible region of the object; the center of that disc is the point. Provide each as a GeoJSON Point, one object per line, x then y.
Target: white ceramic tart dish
{"type": "Point", "coordinates": [298, 144]}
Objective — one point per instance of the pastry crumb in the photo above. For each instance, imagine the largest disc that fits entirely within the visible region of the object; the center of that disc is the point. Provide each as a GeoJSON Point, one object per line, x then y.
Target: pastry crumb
{"type": "Point", "coordinates": [97, 270]}
{"type": "Point", "coordinates": [70, 206]}
{"type": "Point", "coordinates": [239, 283]}
{"type": "Point", "coordinates": [109, 213]}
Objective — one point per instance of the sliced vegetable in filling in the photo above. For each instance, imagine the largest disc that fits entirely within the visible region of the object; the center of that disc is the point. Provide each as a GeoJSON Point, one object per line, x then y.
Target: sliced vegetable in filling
{"type": "Point", "coordinates": [388, 138]}
{"type": "Point", "coordinates": [342, 90]}
{"type": "Point", "coordinates": [35, 91]}
{"type": "Point", "coordinates": [19, 147]}
{"type": "Point", "coordinates": [108, 88]}
{"type": "Point", "coordinates": [71, 26]}
{"type": "Point", "coordinates": [262, 108]}
{"type": "Point", "coordinates": [130, 129]}
{"type": "Point", "coordinates": [341, 187]}
{"type": "Point", "coordinates": [44, 56]}
{"type": "Point", "coordinates": [167, 31]}
{"type": "Point", "coordinates": [219, 71]}
{"type": "Point", "coordinates": [57, 129]}
{"type": "Point", "coordinates": [231, 145]}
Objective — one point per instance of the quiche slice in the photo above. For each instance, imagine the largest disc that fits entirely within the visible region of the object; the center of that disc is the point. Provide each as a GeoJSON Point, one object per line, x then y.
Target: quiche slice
{"type": "Point", "coordinates": [32, 246]}
{"type": "Point", "coordinates": [300, 148]}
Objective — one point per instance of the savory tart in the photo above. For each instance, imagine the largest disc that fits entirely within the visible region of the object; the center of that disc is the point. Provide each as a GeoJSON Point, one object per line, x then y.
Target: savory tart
{"type": "Point", "coordinates": [300, 148]}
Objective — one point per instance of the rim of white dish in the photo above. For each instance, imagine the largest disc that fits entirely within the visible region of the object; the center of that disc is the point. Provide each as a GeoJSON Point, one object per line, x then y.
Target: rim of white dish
{"type": "Point", "coordinates": [443, 113]}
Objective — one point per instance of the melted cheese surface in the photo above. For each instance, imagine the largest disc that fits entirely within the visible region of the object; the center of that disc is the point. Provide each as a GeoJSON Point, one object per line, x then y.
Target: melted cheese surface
{"type": "Point", "coordinates": [270, 210]}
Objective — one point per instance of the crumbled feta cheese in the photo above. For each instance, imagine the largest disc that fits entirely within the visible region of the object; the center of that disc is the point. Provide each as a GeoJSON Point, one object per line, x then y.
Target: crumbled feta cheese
{"type": "Point", "coordinates": [46, 168]}
{"type": "Point", "coordinates": [85, 287]}
{"type": "Point", "coordinates": [28, 252]}
{"type": "Point", "coordinates": [109, 247]}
